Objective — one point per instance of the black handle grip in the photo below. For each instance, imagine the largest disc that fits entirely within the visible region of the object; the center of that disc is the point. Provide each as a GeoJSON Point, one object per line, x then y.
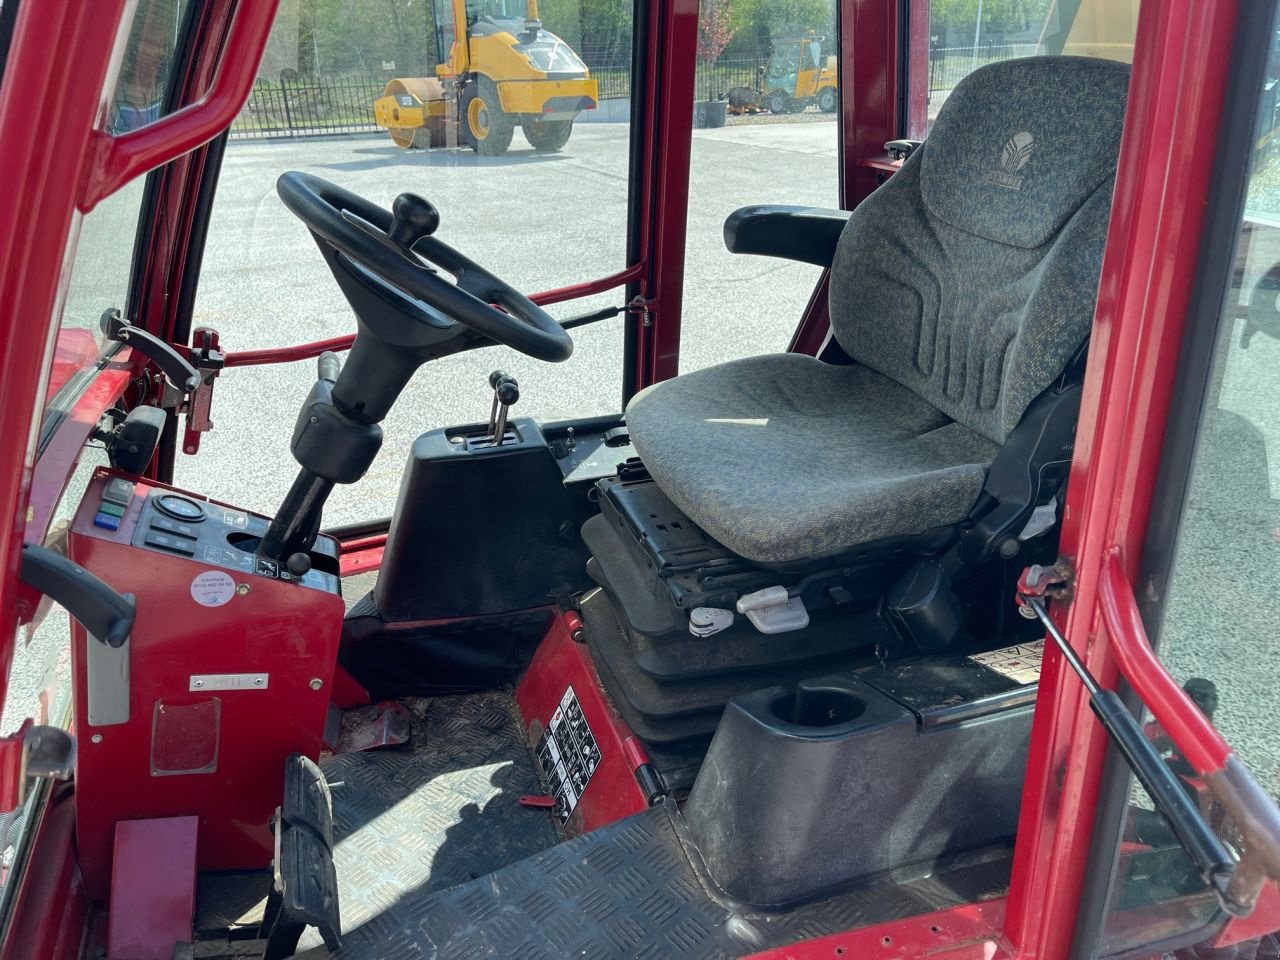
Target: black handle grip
{"type": "Point", "coordinates": [106, 614]}
{"type": "Point", "coordinates": [1193, 831]}
{"type": "Point", "coordinates": [171, 363]}
{"type": "Point", "coordinates": [329, 366]}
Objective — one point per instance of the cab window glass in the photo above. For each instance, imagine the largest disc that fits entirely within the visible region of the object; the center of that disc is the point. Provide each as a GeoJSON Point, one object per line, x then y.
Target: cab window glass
{"type": "Point", "coordinates": [765, 131]}
{"type": "Point", "coordinates": [512, 117]}
{"type": "Point", "coordinates": [1222, 602]}
{"type": "Point", "coordinates": [966, 34]}
{"type": "Point", "coordinates": [103, 255]}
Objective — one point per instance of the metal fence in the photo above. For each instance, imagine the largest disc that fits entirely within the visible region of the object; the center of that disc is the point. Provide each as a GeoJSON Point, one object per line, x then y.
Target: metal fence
{"type": "Point", "coordinates": [323, 105]}
{"type": "Point", "coordinates": [949, 65]}
{"type": "Point", "coordinates": [301, 108]}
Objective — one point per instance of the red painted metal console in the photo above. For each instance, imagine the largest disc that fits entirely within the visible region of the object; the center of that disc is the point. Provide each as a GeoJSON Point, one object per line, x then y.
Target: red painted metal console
{"type": "Point", "coordinates": [227, 672]}
{"type": "Point", "coordinates": [587, 755]}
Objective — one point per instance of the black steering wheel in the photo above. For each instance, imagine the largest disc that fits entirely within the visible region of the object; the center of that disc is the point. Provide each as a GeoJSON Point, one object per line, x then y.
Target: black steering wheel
{"type": "Point", "coordinates": [397, 251]}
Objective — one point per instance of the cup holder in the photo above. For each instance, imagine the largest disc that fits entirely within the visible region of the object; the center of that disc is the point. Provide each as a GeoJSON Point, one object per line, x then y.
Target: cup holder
{"type": "Point", "coordinates": [819, 707]}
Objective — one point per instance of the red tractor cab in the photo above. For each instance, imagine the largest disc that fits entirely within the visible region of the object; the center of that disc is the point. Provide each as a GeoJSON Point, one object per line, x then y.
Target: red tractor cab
{"type": "Point", "coordinates": [539, 591]}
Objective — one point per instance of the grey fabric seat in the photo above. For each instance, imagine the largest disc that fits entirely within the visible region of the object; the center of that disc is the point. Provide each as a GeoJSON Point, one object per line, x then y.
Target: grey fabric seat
{"type": "Point", "coordinates": [961, 289]}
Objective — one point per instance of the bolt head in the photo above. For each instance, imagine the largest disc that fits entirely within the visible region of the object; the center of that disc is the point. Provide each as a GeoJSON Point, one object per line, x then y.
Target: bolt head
{"type": "Point", "coordinates": [96, 738]}
{"type": "Point", "coordinates": [316, 683]}
{"type": "Point", "coordinates": [243, 589]}
{"type": "Point", "coordinates": [198, 684]}
{"type": "Point", "coordinates": [257, 681]}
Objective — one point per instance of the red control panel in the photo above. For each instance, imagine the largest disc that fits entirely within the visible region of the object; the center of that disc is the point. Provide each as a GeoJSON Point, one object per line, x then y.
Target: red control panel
{"type": "Point", "coordinates": [227, 671]}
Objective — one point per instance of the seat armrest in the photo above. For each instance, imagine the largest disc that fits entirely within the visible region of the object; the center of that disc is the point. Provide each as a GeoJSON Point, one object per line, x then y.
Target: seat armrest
{"type": "Point", "coordinates": [807, 234]}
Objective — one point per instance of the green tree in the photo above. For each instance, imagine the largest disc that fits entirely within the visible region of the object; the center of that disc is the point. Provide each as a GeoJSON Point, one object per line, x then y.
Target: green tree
{"type": "Point", "coordinates": [956, 18]}
{"type": "Point", "coordinates": [765, 20]}
{"type": "Point", "coordinates": [715, 29]}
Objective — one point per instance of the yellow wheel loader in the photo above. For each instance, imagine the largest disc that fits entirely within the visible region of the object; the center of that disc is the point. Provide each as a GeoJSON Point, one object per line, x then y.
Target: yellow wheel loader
{"type": "Point", "coordinates": [797, 76]}
{"type": "Point", "coordinates": [498, 69]}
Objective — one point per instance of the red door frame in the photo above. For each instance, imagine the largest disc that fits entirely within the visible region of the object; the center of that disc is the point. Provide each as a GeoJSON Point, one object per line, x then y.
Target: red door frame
{"type": "Point", "coordinates": [56, 47]}
{"type": "Point", "coordinates": [1176, 102]}
{"type": "Point", "coordinates": [1153, 250]}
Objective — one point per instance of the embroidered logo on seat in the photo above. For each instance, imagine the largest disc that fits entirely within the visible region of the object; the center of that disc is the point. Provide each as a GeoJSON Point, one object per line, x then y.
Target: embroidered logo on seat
{"type": "Point", "coordinates": [1014, 156]}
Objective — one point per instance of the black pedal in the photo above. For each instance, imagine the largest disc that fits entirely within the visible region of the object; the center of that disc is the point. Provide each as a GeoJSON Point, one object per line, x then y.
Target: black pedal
{"type": "Point", "coordinates": [307, 801]}
{"type": "Point", "coordinates": [305, 888]}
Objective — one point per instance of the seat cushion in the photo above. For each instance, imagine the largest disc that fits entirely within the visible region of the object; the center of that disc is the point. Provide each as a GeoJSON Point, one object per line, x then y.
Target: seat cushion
{"type": "Point", "coordinates": [784, 458]}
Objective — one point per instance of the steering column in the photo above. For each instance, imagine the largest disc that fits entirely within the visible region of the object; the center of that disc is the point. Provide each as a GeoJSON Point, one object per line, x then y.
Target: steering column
{"type": "Point", "coordinates": [391, 270]}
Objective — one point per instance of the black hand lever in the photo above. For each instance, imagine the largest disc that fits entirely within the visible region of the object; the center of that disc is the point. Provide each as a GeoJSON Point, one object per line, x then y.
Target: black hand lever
{"type": "Point", "coordinates": [495, 378]}
{"type": "Point", "coordinates": [506, 393]}
{"type": "Point", "coordinates": [171, 363]}
{"type": "Point", "coordinates": [106, 614]}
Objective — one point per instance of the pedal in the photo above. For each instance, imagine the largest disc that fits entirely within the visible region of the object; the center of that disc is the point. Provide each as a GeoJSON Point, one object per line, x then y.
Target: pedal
{"type": "Point", "coordinates": [305, 884]}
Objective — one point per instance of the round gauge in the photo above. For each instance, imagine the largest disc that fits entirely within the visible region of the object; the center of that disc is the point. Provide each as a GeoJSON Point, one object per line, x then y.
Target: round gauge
{"type": "Point", "coordinates": [180, 508]}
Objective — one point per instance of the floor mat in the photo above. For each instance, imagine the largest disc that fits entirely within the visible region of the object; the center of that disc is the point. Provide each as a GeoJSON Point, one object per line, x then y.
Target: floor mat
{"type": "Point", "coordinates": [442, 812]}
{"type": "Point", "coordinates": [628, 890]}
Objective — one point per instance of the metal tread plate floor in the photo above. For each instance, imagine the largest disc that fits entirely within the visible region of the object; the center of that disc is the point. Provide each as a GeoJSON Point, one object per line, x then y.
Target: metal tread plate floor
{"type": "Point", "coordinates": [446, 810]}
{"type": "Point", "coordinates": [630, 890]}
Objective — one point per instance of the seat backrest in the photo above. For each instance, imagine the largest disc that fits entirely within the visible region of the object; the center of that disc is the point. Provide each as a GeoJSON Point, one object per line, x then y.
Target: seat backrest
{"type": "Point", "coordinates": [970, 276]}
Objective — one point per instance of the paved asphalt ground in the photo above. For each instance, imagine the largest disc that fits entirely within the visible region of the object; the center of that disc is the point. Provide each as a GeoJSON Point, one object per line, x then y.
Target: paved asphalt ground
{"type": "Point", "coordinates": [544, 221]}
{"type": "Point", "coordinates": [537, 221]}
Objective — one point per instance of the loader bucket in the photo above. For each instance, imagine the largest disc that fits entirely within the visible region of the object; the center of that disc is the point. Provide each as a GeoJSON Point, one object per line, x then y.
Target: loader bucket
{"type": "Point", "coordinates": [412, 110]}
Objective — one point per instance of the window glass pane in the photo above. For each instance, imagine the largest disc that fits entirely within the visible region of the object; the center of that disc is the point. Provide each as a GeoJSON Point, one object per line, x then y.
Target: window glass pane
{"type": "Point", "coordinates": [765, 131]}
{"type": "Point", "coordinates": [100, 272]}
{"type": "Point", "coordinates": [966, 34]}
{"type": "Point", "coordinates": [146, 73]}
{"type": "Point", "coordinates": [1217, 635]}
{"type": "Point", "coordinates": [521, 139]}
{"type": "Point", "coordinates": [40, 678]}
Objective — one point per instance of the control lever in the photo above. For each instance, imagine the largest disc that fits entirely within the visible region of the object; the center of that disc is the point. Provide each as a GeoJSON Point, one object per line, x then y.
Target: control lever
{"type": "Point", "coordinates": [328, 367]}
{"type": "Point", "coordinates": [172, 364]}
{"type": "Point", "coordinates": [494, 379]}
{"type": "Point", "coordinates": [506, 394]}
{"type": "Point", "coordinates": [105, 614]}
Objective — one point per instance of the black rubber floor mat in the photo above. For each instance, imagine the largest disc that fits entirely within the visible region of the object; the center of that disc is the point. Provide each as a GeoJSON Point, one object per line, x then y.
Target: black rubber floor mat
{"type": "Point", "coordinates": [444, 811]}
{"type": "Point", "coordinates": [629, 890]}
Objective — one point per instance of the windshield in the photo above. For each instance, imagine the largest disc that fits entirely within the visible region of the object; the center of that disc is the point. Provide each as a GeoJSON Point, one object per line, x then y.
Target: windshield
{"type": "Point", "coordinates": [496, 10]}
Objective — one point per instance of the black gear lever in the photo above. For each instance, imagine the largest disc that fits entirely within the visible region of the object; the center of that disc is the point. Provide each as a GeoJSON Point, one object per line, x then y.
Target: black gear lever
{"type": "Point", "coordinates": [494, 379]}
{"type": "Point", "coordinates": [506, 393]}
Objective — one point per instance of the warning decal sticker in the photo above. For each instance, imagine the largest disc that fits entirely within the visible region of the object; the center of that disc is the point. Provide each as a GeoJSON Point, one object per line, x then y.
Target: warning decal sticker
{"type": "Point", "coordinates": [568, 754]}
{"type": "Point", "coordinates": [1020, 663]}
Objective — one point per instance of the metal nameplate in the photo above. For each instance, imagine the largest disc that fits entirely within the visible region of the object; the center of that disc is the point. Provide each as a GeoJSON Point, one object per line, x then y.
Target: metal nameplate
{"type": "Point", "coordinates": [203, 682]}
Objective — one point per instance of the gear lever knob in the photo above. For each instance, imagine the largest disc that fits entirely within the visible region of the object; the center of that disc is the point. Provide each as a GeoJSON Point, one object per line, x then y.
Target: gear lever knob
{"type": "Point", "coordinates": [507, 391]}
{"type": "Point", "coordinates": [412, 218]}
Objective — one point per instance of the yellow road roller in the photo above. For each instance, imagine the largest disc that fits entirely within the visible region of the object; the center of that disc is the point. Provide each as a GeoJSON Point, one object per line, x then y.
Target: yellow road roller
{"type": "Point", "coordinates": [497, 68]}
